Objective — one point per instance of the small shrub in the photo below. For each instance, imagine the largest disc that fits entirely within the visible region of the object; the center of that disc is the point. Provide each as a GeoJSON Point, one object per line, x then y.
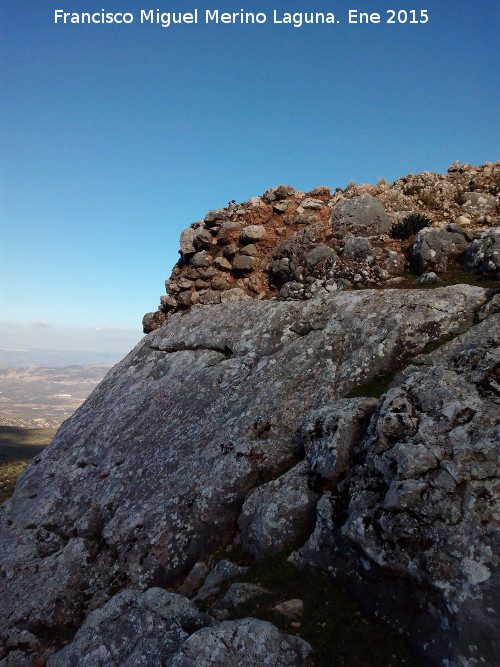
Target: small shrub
{"type": "Point", "coordinates": [412, 189]}
{"type": "Point", "coordinates": [382, 181]}
{"type": "Point", "coordinates": [428, 198]}
{"type": "Point", "coordinates": [411, 224]}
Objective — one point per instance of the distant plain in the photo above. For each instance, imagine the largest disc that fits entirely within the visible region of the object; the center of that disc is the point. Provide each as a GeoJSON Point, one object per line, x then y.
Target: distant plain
{"type": "Point", "coordinates": [34, 401]}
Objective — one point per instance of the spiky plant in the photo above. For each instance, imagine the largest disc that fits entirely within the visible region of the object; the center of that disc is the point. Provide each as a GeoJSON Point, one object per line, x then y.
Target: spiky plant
{"type": "Point", "coordinates": [411, 224]}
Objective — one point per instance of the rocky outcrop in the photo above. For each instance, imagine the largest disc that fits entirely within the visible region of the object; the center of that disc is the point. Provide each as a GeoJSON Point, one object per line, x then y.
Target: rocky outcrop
{"type": "Point", "coordinates": [244, 643]}
{"type": "Point", "coordinates": [160, 628]}
{"type": "Point", "coordinates": [151, 473]}
{"type": "Point", "coordinates": [133, 628]}
{"type": "Point", "coordinates": [313, 411]}
{"type": "Point", "coordinates": [289, 244]}
{"type": "Point", "coordinates": [276, 513]}
{"type": "Point", "coordinates": [412, 528]}
{"type": "Point", "coordinates": [362, 216]}
{"type": "Point", "coordinates": [434, 249]}
{"type": "Point", "coordinates": [329, 436]}
{"type": "Point", "coordinates": [483, 255]}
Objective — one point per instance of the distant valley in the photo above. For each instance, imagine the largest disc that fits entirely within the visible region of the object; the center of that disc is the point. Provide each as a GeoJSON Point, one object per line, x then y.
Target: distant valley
{"type": "Point", "coordinates": [41, 397]}
{"type": "Point", "coordinates": [34, 401]}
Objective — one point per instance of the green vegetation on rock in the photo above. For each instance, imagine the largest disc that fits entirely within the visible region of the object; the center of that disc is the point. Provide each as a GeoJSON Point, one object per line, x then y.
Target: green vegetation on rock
{"type": "Point", "coordinates": [410, 225]}
{"type": "Point", "coordinates": [330, 622]}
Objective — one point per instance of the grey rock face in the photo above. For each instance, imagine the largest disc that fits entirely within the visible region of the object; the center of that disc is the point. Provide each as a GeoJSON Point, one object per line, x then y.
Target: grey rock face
{"type": "Point", "coordinates": [434, 249]}
{"type": "Point", "coordinates": [362, 216]}
{"type": "Point", "coordinates": [493, 306]}
{"type": "Point", "coordinates": [244, 643]}
{"type": "Point", "coordinates": [224, 571]}
{"type": "Point", "coordinates": [133, 629]}
{"type": "Point", "coordinates": [14, 657]}
{"type": "Point", "coordinates": [186, 241]}
{"type": "Point", "coordinates": [210, 297]}
{"type": "Point", "coordinates": [478, 202]}
{"type": "Point", "coordinates": [149, 476]}
{"type": "Point", "coordinates": [429, 278]}
{"type": "Point", "coordinates": [201, 259]}
{"type": "Point", "coordinates": [237, 594]}
{"type": "Point", "coordinates": [483, 255]}
{"type": "Point", "coordinates": [357, 248]}
{"type": "Point", "coordinates": [252, 233]}
{"type": "Point", "coordinates": [234, 294]}
{"type": "Point", "coordinates": [243, 263]}
{"type": "Point", "coordinates": [277, 512]}
{"type": "Point", "coordinates": [330, 434]}
{"type": "Point", "coordinates": [160, 628]}
{"type": "Point", "coordinates": [422, 502]}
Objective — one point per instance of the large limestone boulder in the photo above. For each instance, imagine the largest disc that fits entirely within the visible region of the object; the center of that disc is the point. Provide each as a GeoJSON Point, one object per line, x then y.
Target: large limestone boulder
{"type": "Point", "coordinates": [362, 216]}
{"type": "Point", "coordinates": [479, 202]}
{"type": "Point", "coordinates": [133, 629]}
{"type": "Point", "coordinates": [435, 249]}
{"type": "Point", "coordinates": [331, 433]}
{"type": "Point", "coordinates": [483, 255]}
{"type": "Point", "coordinates": [276, 513]}
{"type": "Point", "coordinates": [149, 476]}
{"type": "Point", "coordinates": [137, 629]}
{"type": "Point", "coordinates": [244, 643]}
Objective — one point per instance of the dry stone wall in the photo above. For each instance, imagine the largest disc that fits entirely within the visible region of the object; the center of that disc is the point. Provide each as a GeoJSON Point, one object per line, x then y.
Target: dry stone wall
{"type": "Point", "coordinates": [289, 244]}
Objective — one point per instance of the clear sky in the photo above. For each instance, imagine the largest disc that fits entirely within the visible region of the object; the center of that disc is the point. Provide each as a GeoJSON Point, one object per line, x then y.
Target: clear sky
{"type": "Point", "coordinates": [114, 138]}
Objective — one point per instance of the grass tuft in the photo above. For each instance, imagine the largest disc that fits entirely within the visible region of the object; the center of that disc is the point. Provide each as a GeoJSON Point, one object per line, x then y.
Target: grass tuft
{"type": "Point", "coordinates": [331, 623]}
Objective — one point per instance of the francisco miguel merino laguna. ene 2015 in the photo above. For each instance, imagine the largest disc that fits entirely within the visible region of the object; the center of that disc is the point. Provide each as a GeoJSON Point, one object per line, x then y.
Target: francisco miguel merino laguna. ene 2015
{"type": "Point", "coordinates": [167, 19]}
{"type": "Point", "coordinates": [294, 19]}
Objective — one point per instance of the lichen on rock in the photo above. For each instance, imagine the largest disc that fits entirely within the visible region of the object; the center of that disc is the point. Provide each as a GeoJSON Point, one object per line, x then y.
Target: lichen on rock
{"type": "Point", "coordinates": [245, 417]}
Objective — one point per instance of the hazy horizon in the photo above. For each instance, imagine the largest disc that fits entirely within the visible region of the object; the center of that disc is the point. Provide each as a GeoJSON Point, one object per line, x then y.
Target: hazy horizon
{"type": "Point", "coordinates": [50, 358]}
{"type": "Point", "coordinates": [45, 343]}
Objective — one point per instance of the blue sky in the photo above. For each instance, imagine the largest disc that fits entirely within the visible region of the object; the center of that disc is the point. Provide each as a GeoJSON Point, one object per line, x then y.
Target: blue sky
{"type": "Point", "coordinates": [115, 138]}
